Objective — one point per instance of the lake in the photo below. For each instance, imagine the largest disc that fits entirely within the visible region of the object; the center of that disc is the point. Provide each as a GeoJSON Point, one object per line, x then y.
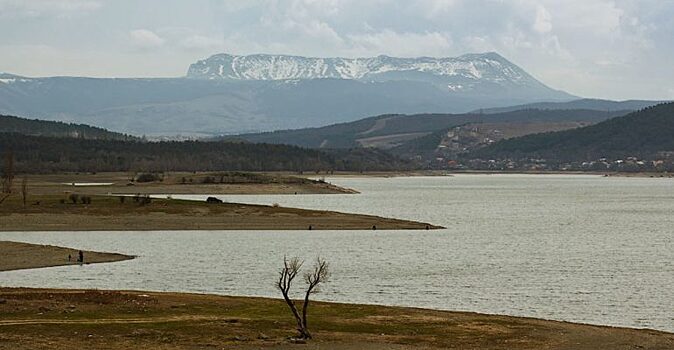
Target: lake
{"type": "Point", "coordinates": [577, 248]}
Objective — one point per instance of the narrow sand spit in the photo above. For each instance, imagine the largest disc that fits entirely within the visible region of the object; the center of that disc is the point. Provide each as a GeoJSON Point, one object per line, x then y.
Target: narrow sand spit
{"type": "Point", "coordinates": [17, 256]}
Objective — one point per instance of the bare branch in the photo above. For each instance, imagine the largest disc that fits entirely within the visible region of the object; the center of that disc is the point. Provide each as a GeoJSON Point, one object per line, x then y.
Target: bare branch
{"type": "Point", "coordinates": [319, 274]}
{"type": "Point", "coordinates": [286, 276]}
{"type": "Point", "coordinates": [8, 172]}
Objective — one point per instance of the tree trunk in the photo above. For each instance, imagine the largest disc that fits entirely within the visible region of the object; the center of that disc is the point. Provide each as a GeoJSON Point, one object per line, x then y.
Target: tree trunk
{"type": "Point", "coordinates": [304, 313]}
{"type": "Point", "coordinates": [300, 325]}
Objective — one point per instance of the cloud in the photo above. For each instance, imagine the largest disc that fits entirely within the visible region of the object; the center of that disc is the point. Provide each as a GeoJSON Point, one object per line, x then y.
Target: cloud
{"type": "Point", "coordinates": [144, 39]}
{"type": "Point", "coordinates": [542, 23]}
{"type": "Point", "coordinates": [46, 8]}
{"type": "Point", "coordinates": [400, 44]}
{"type": "Point", "coordinates": [577, 45]}
{"type": "Point", "coordinates": [201, 43]}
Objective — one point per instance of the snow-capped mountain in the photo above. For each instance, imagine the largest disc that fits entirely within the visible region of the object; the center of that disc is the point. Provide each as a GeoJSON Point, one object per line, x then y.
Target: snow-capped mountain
{"type": "Point", "coordinates": [455, 73]}
{"type": "Point", "coordinates": [6, 78]}
{"type": "Point", "coordinates": [236, 94]}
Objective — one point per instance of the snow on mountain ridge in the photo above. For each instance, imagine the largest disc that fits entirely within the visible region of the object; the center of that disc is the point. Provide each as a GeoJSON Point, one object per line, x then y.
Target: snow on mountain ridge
{"type": "Point", "coordinates": [489, 67]}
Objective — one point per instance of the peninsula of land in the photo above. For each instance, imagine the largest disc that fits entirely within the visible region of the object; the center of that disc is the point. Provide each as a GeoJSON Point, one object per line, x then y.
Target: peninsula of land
{"type": "Point", "coordinates": [120, 202]}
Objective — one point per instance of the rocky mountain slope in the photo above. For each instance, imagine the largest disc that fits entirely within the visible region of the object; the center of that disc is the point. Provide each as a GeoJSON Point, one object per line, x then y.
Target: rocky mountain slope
{"type": "Point", "coordinates": [471, 72]}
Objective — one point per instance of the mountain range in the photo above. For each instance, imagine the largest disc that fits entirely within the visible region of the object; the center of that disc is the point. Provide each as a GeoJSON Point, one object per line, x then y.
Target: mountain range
{"type": "Point", "coordinates": [227, 94]}
{"type": "Point", "coordinates": [471, 73]}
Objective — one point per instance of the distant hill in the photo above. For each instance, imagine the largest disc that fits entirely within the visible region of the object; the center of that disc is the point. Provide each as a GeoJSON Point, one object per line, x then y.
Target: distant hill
{"type": "Point", "coordinates": [11, 124]}
{"type": "Point", "coordinates": [40, 154]}
{"type": "Point", "coordinates": [585, 103]}
{"type": "Point", "coordinates": [643, 134]}
{"type": "Point", "coordinates": [389, 131]}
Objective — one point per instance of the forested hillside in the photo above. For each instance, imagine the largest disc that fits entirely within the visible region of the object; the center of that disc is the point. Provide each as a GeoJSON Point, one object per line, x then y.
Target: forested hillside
{"type": "Point", "coordinates": [644, 134]}
{"type": "Point", "coordinates": [11, 124]}
{"type": "Point", "coordinates": [38, 154]}
{"type": "Point", "coordinates": [399, 128]}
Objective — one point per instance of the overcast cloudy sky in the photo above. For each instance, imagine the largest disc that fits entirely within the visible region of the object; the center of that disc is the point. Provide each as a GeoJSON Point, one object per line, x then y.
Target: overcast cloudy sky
{"type": "Point", "coordinates": [595, 48]}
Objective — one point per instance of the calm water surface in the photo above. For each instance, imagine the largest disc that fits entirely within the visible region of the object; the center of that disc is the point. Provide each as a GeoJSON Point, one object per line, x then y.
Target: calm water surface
{"type": "Point", "coordinates": [576, 248]}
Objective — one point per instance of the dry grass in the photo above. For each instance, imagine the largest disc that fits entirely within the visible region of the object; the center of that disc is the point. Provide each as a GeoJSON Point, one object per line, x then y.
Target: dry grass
{"type": "Point", "coordinates": [57, 213]}
{"type": "Point", "coordinates": [173, 184]}
{"type": "Point", "coordinates": [58, 319]}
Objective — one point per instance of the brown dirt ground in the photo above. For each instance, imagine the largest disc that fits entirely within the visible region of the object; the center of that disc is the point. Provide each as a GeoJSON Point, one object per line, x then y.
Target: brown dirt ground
{"type": "Point", "coordinates": [16, 256]}
{"type": "Point", "coordinates": [93, 319]}
{"type": "Point", "coordinates": [109, 213]}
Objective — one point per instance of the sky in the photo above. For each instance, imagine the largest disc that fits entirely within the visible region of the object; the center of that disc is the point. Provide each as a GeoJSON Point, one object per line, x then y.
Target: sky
{"type": "Point", "coordinates": [616, 49]}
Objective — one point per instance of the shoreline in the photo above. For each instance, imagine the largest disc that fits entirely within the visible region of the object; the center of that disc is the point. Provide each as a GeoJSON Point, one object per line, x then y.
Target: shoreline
{"type": "Point", "coordinates": [84, 202]}
{"type": "Point", "coordinates": [449, 173]}
{"type": "Point", "coordinates": [107, 213]}
{"type": "Point", "coordinates": [54, 318]}
{"type": "Point", "coordinates": [23, 256]}
{"type": "Point", "coordinates": [557, 172]}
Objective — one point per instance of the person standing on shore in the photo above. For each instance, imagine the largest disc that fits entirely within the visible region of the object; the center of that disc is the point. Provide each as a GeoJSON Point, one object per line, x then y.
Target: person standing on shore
{"type": "Point", "coordinates": [80, 257]}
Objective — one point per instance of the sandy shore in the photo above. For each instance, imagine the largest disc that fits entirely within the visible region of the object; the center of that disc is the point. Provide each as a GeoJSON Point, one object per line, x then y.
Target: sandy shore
{"type": "Point", "coordinates": [17, 256]}
{"type": "Point", "coordinates": [76, 319]}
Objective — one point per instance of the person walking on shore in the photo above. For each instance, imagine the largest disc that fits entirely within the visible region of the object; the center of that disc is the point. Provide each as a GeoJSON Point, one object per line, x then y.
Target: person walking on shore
{"type": "Point", "coordinates": [80, 257]}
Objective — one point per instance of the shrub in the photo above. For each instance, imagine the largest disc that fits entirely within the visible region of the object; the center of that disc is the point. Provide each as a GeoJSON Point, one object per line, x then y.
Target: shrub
{"type": "Point", "coordinates": [148, 177]}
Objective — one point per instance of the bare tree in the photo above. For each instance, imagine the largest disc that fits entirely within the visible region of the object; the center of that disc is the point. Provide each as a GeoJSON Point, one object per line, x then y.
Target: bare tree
{"type": "Point", "coordinates": [24, 190]}
{"type": "Point", "coordinates": [287, 274]}
{"type": "Point", "coordinates": [8, 173]}
{"type": "Point", "coordinates": [320, 274]}
{"type": "Point", "coordinates": [291, 268]}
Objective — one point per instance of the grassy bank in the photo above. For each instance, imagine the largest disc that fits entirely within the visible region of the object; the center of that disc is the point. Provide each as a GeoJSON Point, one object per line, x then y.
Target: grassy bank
{"type": "Point", "coordinates": [179, 183]}
{"type": "Point", "coordinates": [54, 319]}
